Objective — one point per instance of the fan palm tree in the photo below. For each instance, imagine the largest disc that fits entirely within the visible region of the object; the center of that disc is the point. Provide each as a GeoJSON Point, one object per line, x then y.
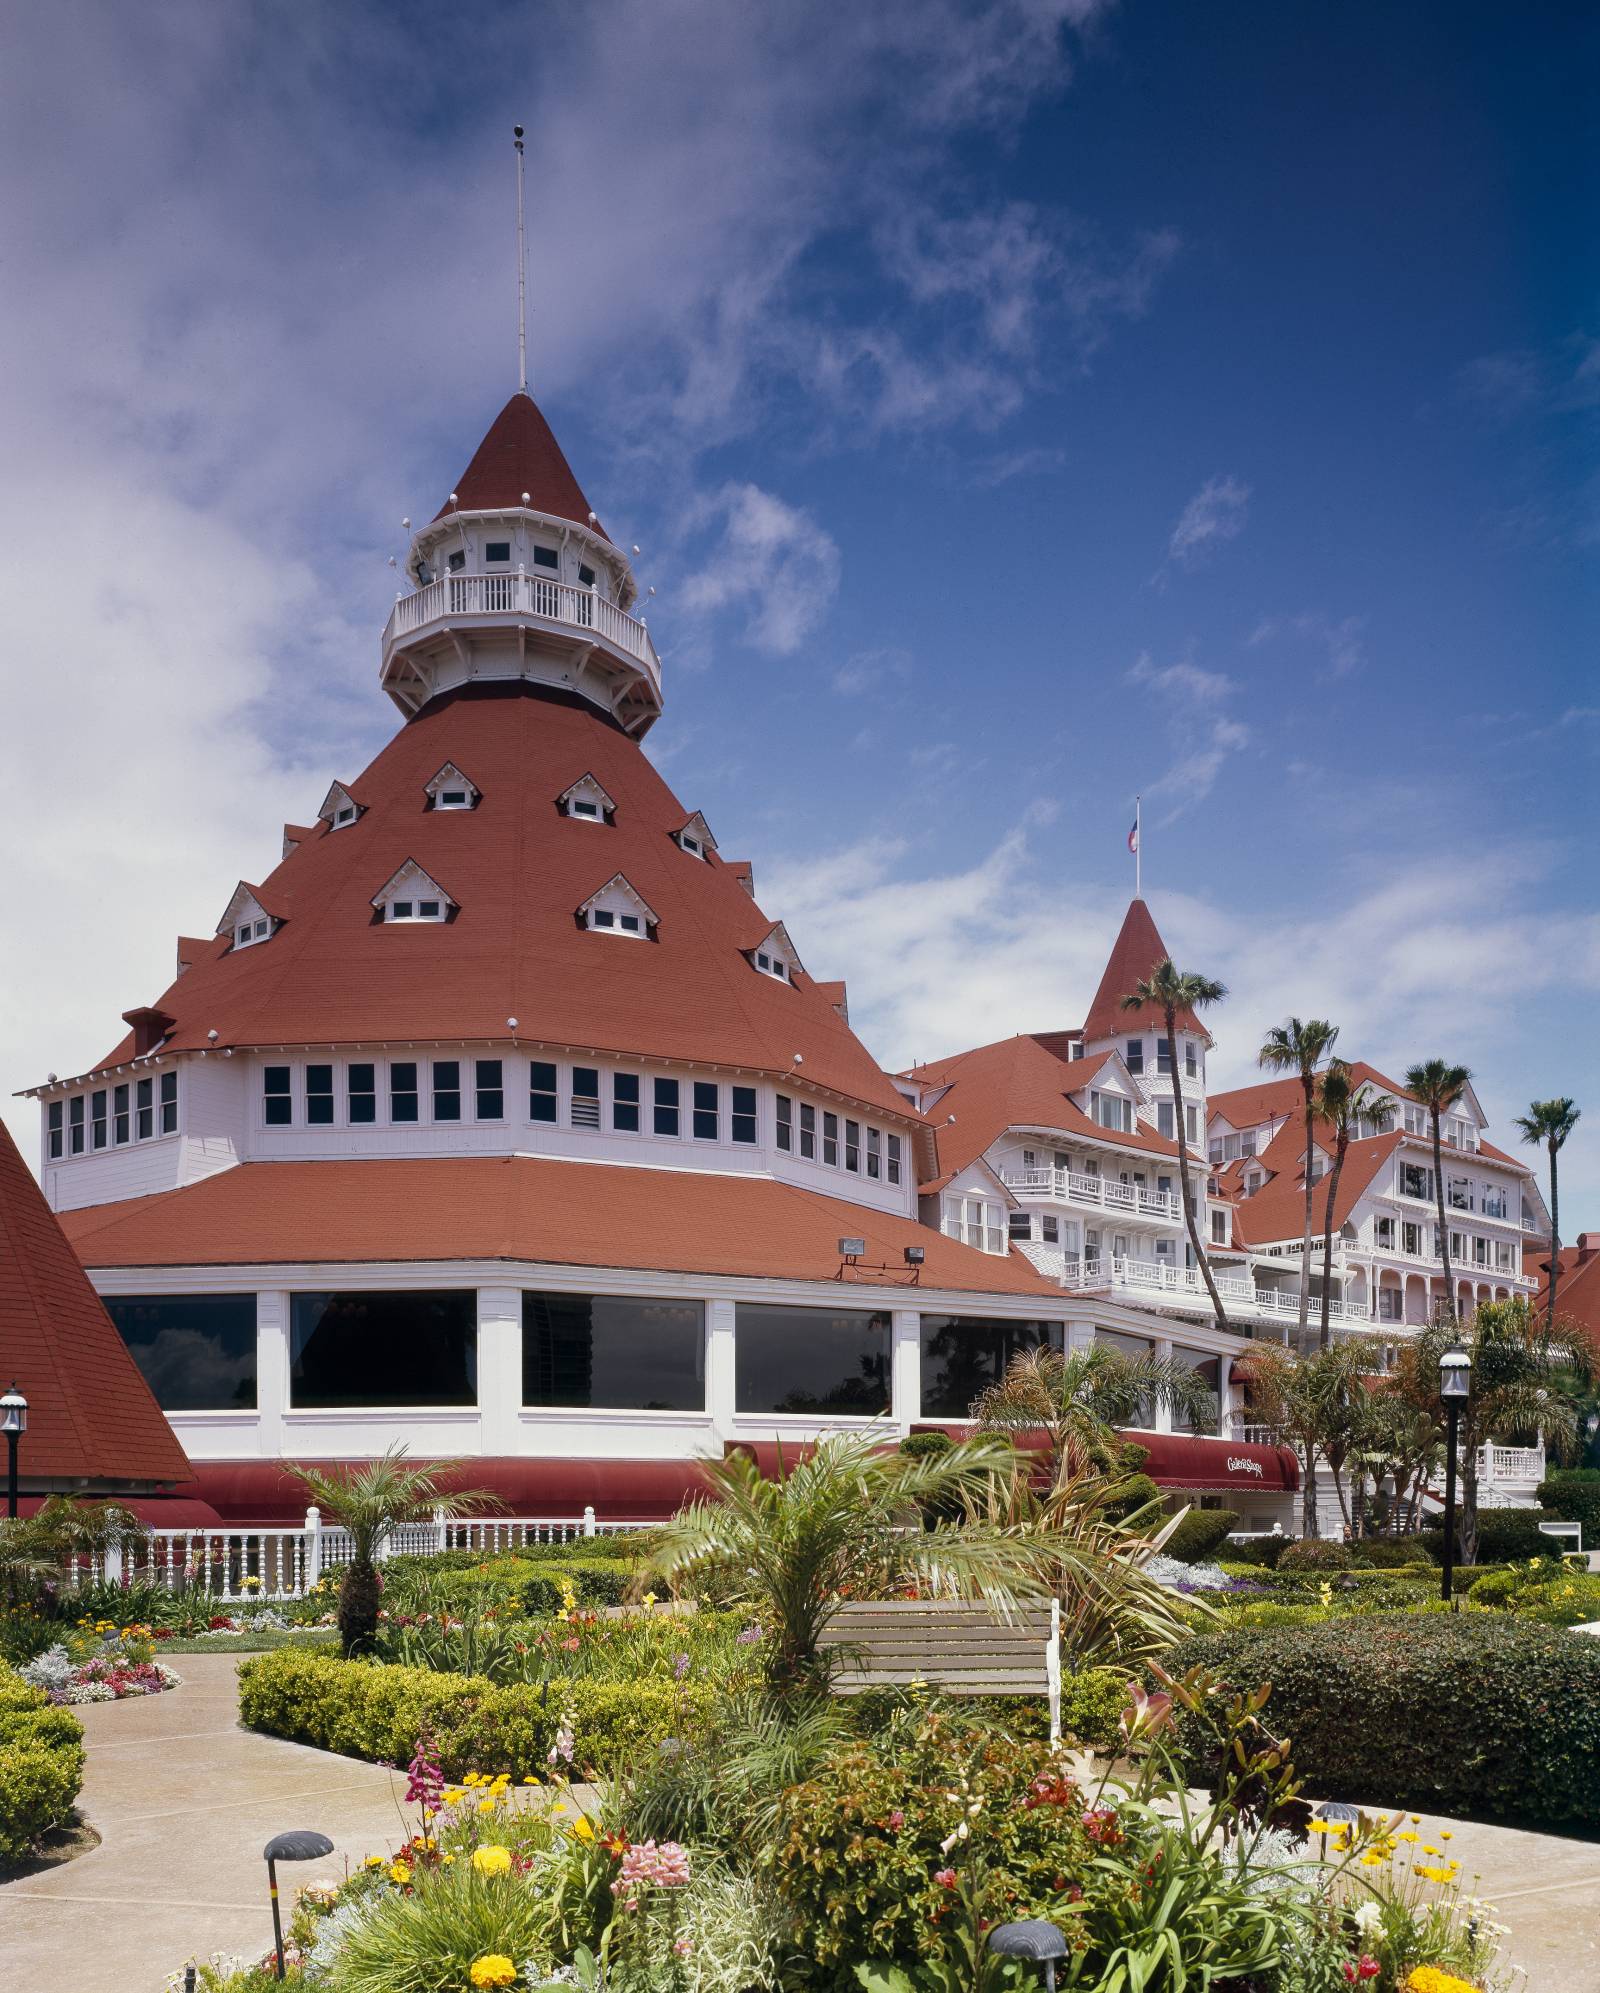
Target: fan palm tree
{"type": "Point", "coordinates": [42, 1549]}
{"type": "Point", "coordinates": [372, 1501]}
{"type": "Point", "coordinates": [1438, 1087]}
{"type": "Point", "coordinates": [1168, 991]}
{"type": "Point", "coordinates": [1074, 1398]}
{"type": "Point", "coordinates": [1298, 1047]}
{"type": "Point", "coordinates": [1312, 1403]}
{"type": "Point", "coordinates": [1551, 1122]}
{"type": "Point", "coordinates": [835, 1523]}
{"type": "Point", "coordinates": [1344, 1108]}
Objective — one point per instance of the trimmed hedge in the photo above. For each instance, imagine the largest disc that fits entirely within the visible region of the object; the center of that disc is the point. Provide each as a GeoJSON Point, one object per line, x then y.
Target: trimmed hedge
{"type": "Point", "coordinates": [1505, 1536]}
{"type": "Point", "coordinates": [1199, 1535]}
{"type": "Point", "coordinates": [1262, 1551]}
{"type": "Point", "coordinates": [1466, 1713]}
{"type": "Point", "coordinates": [1572, 1494]}
{"type": "Point", "coordinates": [1316, 1553]}
{"type": "Point", "coordinates": [376, 1711]}
{"type": "Point", "coordinates": [41, 1766]}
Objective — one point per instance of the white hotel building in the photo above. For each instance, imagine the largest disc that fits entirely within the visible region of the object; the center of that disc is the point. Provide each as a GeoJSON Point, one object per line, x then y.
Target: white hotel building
{"type": "Point", "coordinates": [498, 1118]}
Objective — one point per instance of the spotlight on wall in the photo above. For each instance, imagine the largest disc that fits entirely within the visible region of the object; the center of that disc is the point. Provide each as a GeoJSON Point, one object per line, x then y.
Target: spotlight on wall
{"type": "Point", "coordinates": [407, 524]}
{"type": "Point", "coordinates": [212, 1035]}
{"type": "Point", "coordinates": [636, 550]}
{"type": "Point", "coordinates": [915, 1255]}
{"type": "Point", "coordinates": [511, 1024]}
{"type": "Point", "coordinates": [851, 1250]}
{"type": "Point", "coordinates": [527, 498]}
{"type": "Point", "coordinates": [593, 521]}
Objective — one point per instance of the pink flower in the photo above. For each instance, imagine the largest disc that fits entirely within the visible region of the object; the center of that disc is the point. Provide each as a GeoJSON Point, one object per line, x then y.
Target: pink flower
{"type": "Point", "coordinates": [897, 1820]}
{"type": "Point", "coordinates": [945, 1877]}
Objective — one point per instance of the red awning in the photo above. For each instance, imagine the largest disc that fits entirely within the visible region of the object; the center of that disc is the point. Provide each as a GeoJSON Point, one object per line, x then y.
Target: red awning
{"type": "Point", "coordinates": [1183, 1460]}
{"type": "Point", "coordinates": [159, 1511]}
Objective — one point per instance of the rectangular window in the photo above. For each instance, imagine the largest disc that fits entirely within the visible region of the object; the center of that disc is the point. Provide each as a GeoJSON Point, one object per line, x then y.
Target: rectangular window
{"type": "Point", "coordinates": [812, 1361]}
{"type": "Point", "coordinates": [53, 1118]}
{"type": "Point", "coordinates": [1019, 1225]}
{"type": "Point", "coordinates": [963, 1354]}
{"type": "Point", "coordinates": [852, 1146]}
{"type": "Point", "coordinates": [706, 1115]}
{"type": "Point", "coordinates": [585, 576]}
{"type": "Point", "coordinates": [625, 1102]}
{"type": "Point", "coordinates": [1191, 1061]}
{"type": "Point", "coordinates": [1411, 1239]}
{"type": "Point", "coordinates": [1135, 1055]}
{"type": "Point", "coordinates": [319, 1096]}
{"type": "Point", "coordinates": [585, 1097]}
{"type": "Point", "coordinates": [1458, 1245]}
{"type": "Point", "coordinates": [1384, 1232]}
{"type": "Point", "coordinates": [1415, 1180]}
{"type": "Point", "coordinates": [384, 1348]}
{"type": "Point", "coordinates": [1164, 1058]}
{"type": "Point", "coordinates": [874, 1153]}
{"type": "Point", "coordinates": [586, 1350]}
{"type": "Point", "coordinates": [541, 1090]}
{"type": "Point", "coordinates": [894, 1158]}
{"type": "Point", "coordinates": [546, 557]}
{"type": "Point", "coordinates": [1164, 1119]}
{"type": "Point", "coordinates": [1219, 1228]}
{"type": "Point", "coordinates": [169, 1103]}
{"type": "Point", "coordinates": [1191, 1122]}
{"type": "Point", "coordinates": [489, 1090]}
{"type": "Point", "coordinates": [1050, 1228]}
{"type": "Point", "coordinates": [1214, 1148]}
{"type": "Point", "coordinates": [808, 1131]}
{"type": "Point", "coordinates": [447, 1089]}
{"type": "Point", "coordinates": [1247, 1142]}
{"type": "Point", "coordinates": [120, 1128]}
{"type": "Point", "coordinates": [75, 1124]}
{"type": "Point", "coordinates": [664, 1112]}
{"type": "Point", "coordinates": [785, 1123]}
{"type": "Point", "coordinates": [403, 1090]}
{"type": "Point", "coordinates": [497, 550]}
{"type": "Point", "coordinates": [742, 1114]}
{"type": "Point", "coordinates": [361, 1094]}
{"type": "Point", "coordinates": [277, 1099]}
{"type": "Point", "coordinates": [197, 1352]}
{"type": "Point", "coordinates": [144, 1121]}
{"type": "Point", "coordinates": [830, 1139]}
{"type": "Point", "coordinates": [97, 1119]}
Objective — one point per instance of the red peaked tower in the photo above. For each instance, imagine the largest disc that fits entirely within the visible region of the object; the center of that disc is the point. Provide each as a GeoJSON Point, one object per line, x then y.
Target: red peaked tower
{"type": "Point", "coordinates": [1136, 951]}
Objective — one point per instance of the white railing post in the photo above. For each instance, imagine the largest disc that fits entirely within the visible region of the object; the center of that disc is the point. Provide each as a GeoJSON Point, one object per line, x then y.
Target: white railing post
{"type": "Point", "coordinates": [113, 1564]}
{"type": "Point", "coordinates": [313, 1547]}
{"type": "Point", "coordinates": [441, 1530]}
{"type": "Point", "coordinates": [1052, 1672]}
{"type": "Point", "coordinates": [588, 1519]}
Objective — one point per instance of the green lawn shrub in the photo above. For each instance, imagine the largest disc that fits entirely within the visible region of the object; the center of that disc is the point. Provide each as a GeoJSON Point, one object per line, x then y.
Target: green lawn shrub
{"type": "Point", "coordinates": [1549, 1593]}
{"type": "Point", "coordinates": [1261, 1551]}
{"type": "Point", "coordinates": [1475, 1713]}
{"type": "Point", "coordinates": [1505, 1536]}
{"type": "Point", "coordinates": [365, 1709]}
{"type": "Point", "coordinates": [1129, 1494]}
{"type": "Point", "coordinates": [1316, 1553]}
{"type": "Point", "coordinates": [527, 1586]}
{"type": "Point", "coordinates": [41, 1766]}
{"type": "Point", "coordinates": [1572, 1494]}
{"type": "Point", "coordinates": [1200, 1535]}
{"type": "Point", "coordinates": [1391, 1553]}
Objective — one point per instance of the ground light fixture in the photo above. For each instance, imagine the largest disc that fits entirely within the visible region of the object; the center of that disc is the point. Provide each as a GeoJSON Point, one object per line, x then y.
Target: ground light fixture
{"type": "Point", "coordinates": [302, 1844]}
{"type": "Point", "coordinates": [1032, 1939]}
{"type": "Point", "coordinates": [1455, 1388]}
{"type": "Point", "coordinates": [13, 1423]}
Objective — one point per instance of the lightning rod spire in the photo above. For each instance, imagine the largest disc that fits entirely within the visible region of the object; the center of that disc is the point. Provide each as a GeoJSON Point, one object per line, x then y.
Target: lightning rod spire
{"type": "Point", "coordinates": [522, 273]}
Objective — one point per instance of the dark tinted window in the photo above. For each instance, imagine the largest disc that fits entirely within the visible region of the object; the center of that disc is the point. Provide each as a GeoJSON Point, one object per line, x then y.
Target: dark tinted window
{"type": "Point", "coordinates": [319, 1094]}
{"type": "Point", "coordinates": [810, 1360]}
{"type": "Point", "coordinates": [278, 1101]}
{"type": "Point", "coordinates": [447, 1089]}
{"type": "Point", "coordinates": [169, 1104]}
{"type": "Point", "coordinates": [197, 1352]}
{"type": "Point", "coordinates": [541, 1090]}
{"type": "Point", "coordinates": [743, 1117]}
{"type": "Point", "coordinates": [363, 1096]}
{"type": "Point", "coordinates": [602, 1349]}
{"type": "Point", "coordinates": [963, 1353]}
{"type": "Point", "coordinates": [666, 1107]}
{"type": "Point", "coordinates": [383, 1349]}
{"type": "Point", "coordinates": [403, 1090]}
{"type": "Point", "coordinates": [625, 1102]}
{"type": "Point", "coordinates": [489, 1087]}
{"type": "Point", "coordinates": [705, 1110]}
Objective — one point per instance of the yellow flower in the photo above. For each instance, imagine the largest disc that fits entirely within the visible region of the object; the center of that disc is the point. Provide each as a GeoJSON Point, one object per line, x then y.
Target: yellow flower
{"type": "Point", "coordinates": [1407, 1837]}
{"type": "Point", "coordinates": [491, 1861]}
{"type": "Point", "coordinates": [485, 1805]}
{"type": "Point", "coordinates": [582, 1828]}
{"type": "Point", "coordinates": [649, 1600]}
{"type": "Point", "coordinates": [374, 1861]}
{"type": "Point", "coordinates": [1429, 1979]}
{"type": "Point", "coordinates": [530, 1781]}
{"type": "Point", "coordinates": [493, 1969]}
{"type": "Point", "coordinates": [398, 1872]}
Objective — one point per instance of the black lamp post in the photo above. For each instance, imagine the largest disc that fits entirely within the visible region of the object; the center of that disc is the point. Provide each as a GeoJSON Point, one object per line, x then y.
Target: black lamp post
{"type": "Point", "coordinates": [304, 1844]}
{"type": "Point", "coordinates": [13, 1423]}
{"type": "Point", "coordinates": [1455, 1387]}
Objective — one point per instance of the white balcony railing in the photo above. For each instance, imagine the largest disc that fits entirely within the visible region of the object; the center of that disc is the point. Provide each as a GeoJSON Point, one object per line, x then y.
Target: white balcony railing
{"type": "Point", "coordinates": [584, 610]}
{"type": "Point", "coordinates": [1159, 1279]}
{"type": "Point", "coordinates": [1523, 1466]}
{"type": "Point", "coordinates": [1097, 1193]}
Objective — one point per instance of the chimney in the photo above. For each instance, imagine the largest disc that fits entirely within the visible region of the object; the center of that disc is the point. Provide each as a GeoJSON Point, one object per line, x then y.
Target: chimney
{"type": "Point", "coordinates": [150, 1026]}
{"type": "Point", "coordinates": [1588, 1246]}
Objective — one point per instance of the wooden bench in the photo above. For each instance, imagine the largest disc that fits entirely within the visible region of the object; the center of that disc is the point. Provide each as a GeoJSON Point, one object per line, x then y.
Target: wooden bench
{"type": "Point", "coordinates": [959, 1648]}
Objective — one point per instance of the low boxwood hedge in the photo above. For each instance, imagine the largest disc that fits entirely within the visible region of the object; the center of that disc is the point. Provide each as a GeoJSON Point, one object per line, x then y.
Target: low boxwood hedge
{"type": "Point", "coordinates": [41, 1766]}
{"type": "Point", "coordinates": [376, 1711]}
{"type": "Point", "coordinates": [1473, 1714]}
{"type": "Point", "coordinates": [1200, 1535]}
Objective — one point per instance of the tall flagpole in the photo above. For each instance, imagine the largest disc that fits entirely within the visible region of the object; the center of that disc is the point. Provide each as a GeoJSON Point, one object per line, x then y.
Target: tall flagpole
{"type": "Point", "coordinates": [522, 274]}
{"type": "Point", "coordinates": [1138, 850]}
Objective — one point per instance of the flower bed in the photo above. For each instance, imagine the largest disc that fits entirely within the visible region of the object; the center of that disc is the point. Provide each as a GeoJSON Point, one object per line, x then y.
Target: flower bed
{"type": "Point", "coordinates": [119, 1663]}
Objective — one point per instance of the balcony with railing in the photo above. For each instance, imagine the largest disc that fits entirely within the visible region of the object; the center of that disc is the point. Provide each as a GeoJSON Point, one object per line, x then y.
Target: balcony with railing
{"type": "Point", "coordinates": [1095, 1193]}
{"type": "Point", "coordinates": [530, 599]}
{"type": "Point", "coordinates": [1164, 1283]}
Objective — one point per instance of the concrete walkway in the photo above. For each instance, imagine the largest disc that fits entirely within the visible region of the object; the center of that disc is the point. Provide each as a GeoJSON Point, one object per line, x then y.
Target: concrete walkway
{"type": "Point", "coordinates": [184, 1802]}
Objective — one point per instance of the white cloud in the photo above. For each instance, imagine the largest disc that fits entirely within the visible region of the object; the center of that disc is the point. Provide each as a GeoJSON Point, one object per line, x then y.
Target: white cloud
{"type": "Point", "coordinates": [772, 561]}
{"type": "Point", "coordinates": [1204, 688]}
{"type": "Point", "coordinates": [872, 671]}
{"type": "Point", "coordinates": [1562, 379]}
{"type": "Point", "coordinates": [1215, 515]}
{"type": "Point", "coordinates": [1202, 737]}
{"type": "Point", "coordinates": [1341, 642]}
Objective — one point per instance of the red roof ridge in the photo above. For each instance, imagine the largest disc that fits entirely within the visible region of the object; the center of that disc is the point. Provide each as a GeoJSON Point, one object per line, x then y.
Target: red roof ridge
{"type": "Point", "coordinates": [520, 455]}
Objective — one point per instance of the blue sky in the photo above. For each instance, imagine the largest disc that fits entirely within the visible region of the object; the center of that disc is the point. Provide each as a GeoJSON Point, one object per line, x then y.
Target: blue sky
{"type": "Point", "coordinates": [1021, 405]}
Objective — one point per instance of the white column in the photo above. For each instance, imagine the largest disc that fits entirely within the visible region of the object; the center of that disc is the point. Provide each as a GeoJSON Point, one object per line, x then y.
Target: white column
{"type": "Point", "coordinates": [720, 1385]}
{"type": "Point", "coordinates": [272, 1370]}
{"type": "Point", "coordinates": [499, 1370]}
{"type": "Point", "coordinates": [1080, 1334]}
{"type": "Point", "coordinates": [905, 1368]}
{"type": "Point", "coordinates": [1163, 1410]}
{"type": "Point", "coordinates": [1224, 1395]}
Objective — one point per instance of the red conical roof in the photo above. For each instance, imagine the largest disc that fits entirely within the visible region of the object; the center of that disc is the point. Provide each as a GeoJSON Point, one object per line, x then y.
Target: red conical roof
{"type": "Point", "coordinates": [91, 1416]}
{"type": "Point", "coordinates": [520, 454]}
{"type": "Point", "coordinates": [1137, 950]}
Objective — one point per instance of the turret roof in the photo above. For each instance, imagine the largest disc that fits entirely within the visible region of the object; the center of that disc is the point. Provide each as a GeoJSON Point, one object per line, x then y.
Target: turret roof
{"type": "Point", "coordinates": [520, 454]}
{"type": "Point", "coordinates": [1134, 954]}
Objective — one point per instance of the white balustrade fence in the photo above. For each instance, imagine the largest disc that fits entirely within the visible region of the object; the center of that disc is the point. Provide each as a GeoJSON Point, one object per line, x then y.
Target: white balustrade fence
{"type": "Point", "coordinates": [1100, 1192]}
{"type": "Point", "coordinates": [523, 594]}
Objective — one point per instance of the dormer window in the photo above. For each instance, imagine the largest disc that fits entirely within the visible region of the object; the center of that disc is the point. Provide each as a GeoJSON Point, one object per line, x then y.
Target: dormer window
{"type": "Point", "coordinates": [412, 896]}
{"type": "Point", "coordinates": [695, 837]}
{"type": "Point", "coordinates": [618, 909]}
{"type": "Point", "coordinates": [451, 790]}
{"type": "Point", "coordinates": [339, 808]}
{"type": "Point", "coordinates": [345, 814]}
{"type": "Point", "coordinates": [776, 956]}
{"type": "Point", "coordinates": [249, 931]}
{"type": "Point", "coordinates": [772, 965]}
{"type": "Point", "coordinates": [587, 802]}
{"type": "Point", "coordinates": [245, 921]}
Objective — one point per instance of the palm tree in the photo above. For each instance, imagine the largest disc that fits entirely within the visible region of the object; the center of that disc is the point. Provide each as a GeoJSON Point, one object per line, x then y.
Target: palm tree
{"type": "Point", "coordinates": [834, 1523]}
{"type": "Point", "coordinates": [1314, 1404]}
{"type": "Point", "coordinates": [1551, 1122]}
{"type": "Point", "coordinates": [1167, 990]}
{"type": "Point", "coordinates": [1344, 1108]}
{"type": "Point", "coordinates": [43, 1549]}
{"type": "Point", "coordinates": [372, 1501]}
{"type": "Point", "coordinates": [1438, 1087]}
{"type": "Point", "coordinates": [1297, 1047]}
{"type": "Point", "coordinates": [1075, 1397]}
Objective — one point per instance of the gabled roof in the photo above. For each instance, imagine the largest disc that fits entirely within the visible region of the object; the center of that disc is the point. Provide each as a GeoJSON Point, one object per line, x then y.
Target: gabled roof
{"type": "Point", "coordinates": [296, 833]}
{"type": "Point", "coordinates": [338, 795]}
{"type": "Point", "coordinates": [243, 895]}
{"type": "Point", "coordinates": [1277, 1210]}
{"type": "Point", "coordinates": [520, 454]}
{"type": "Point", "coordinates": [1270, 1100]}
{"type": "Point", "coordinates": [91, 1416]}
{"type": "Point", "coordinates": [619, 887]}
{"type": "Point", "coordinates": [697, 827]}
{"type": "Point", "coordinates": [449, 777]}
{"type": "Point", "coordinates": [1135, 952]}
{"type": "Point", "coordinates": [411, 874]}
{"type": "Point", "coordinates": [191, 947]}
{"type": "Point", "coordinates": [777, 938]}
{"type": "Point", "coordinates": [590, 785]}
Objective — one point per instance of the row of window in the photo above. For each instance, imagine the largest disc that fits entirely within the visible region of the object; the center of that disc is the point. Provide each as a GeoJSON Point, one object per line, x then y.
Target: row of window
{"type": "Point", "coordinates": [111, 1117]}
{"type": "Point", "coordinates": [1420, 1241]}
{"type": "Point", "coordinates": [1133, 1057]}
{"type": "Point", "coordinates": [365, 1350]}
{"type": "Point", "coordinates": [823, 1136]}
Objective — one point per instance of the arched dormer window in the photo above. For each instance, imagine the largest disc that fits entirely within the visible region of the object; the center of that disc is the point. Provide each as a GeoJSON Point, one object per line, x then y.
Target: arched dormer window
{"type": "Point", "coordinates": [618, 909]}
{"type": "Point", "coordinates": [411, 895]}
{"type": "Point", "coordinates": [245, 920]}
{"type": "Point", "coordinates": [695, 837]}
{"type": "Point", "coordinates": [776, 956]}
{"type": "Point", "coordinates": [587, 802]}
{"type": "Point", "coordinates": [340, 808]}
{"type": "Point", "coordinates": [451, 790]}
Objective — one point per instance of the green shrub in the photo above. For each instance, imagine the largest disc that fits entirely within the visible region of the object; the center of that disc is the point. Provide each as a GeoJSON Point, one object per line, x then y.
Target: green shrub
{"type": "Point", "coordinates": [365, 1709]}
{"type": "Point", "coordinates": [926, 1445]}
{"type": "Point", "coordinates": [526, 1586]}
{"type": "Point", "coordinates": [1572, 1494]}
{"type": "Point", "coordinates": [1126, 1496]}
{"type": "Point", "coordinates": [1260, 1551]}
{"type": "Point", "coordinates": [1316, 1553]}
{"type": "Point", "coordinates": [1391, 1553]}
{"type": "Point", "coordinates": [1505, 1536]}
{"type": "Point", "coordinates": [41, 1766]}
{"type": "Point", "coordinates": [1201, 1532]}
{"type": "Point", "coordinates": [1471, 1713]}
{"type": "Point", "coordinates": [1549, 1593]}
{"type": "Point", "coordinates": [1092, 1704]}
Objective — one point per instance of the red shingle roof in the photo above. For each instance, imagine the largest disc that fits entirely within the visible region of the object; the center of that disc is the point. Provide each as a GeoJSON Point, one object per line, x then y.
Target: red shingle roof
{"type": "Point", "coordinates": [530, 1208]}
{"type": "Point", "coordinates": [1277, 1210]}
{"type": "Point", "coordinates": [90, 1414]}
{"type": "Point", "coordinates": [517, 868]}
{"type": "Point", "coordinates": [520, 454]}
{"type": "Point", "coordinates": [1135, 952]}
